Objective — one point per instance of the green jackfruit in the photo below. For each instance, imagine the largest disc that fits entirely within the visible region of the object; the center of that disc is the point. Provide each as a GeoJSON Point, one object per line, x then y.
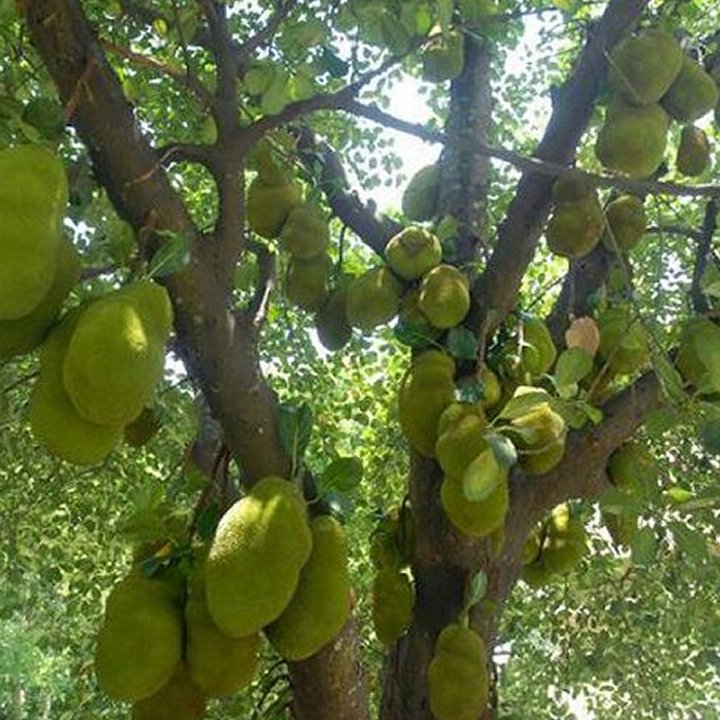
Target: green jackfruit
{"type": "Point", "coordinates": [393, 598]}
{"type": "Point", "coordinates": [633, 139]}
{"type": "Point", "coordinates": [492, 389]}
{"type": "Point", "coordinates": [267, 206]}
{"type": "Point", "coordinates": [373, 299]}
{"type": "Point", "coordinates": [178, 699]}
{"type": "Point", "coordinates": [412, 321]}
{"type": "Point", "coordinates": [320, 606]}
{"type": "Point", "coordinates": [306, 282]}
{"type": "Point", "coordinates": [693, 153]}
{"type": "Point", "coordinates": [305, 233]}
{"type": "Point", "coordinates": [458, 681]}
{"type": "Point", "coordinates": [426, 392]}
{"type": "Point", "coordinates": [217, 664]}
{"type": "Point", "coordinates": [692, 95]}
{"type": "Point", "coordinates": [539, 436]}
{"type": "Point", "coordinates": [23, 335]}
{"type": "Point", "coordinates": [627, 222]}
{"type": "Point", "coordinates": [33, 197]}
{"type": "Point", "coordinates": [476, 518]}
{"type": "Point", "coordinates": [537, 335]}
{"type": "Point", "coordinates": [444, 296]}
{"type": "Point", "coordinates": [444, 57]}
{"type": "Point", "coordinates": [698, 356]}
{"type": "Point", "coordinates": [263, 537]}
{"type": "Point", "coordinates": [574, 228]}
{"type": "Point", "coordinates": [54, 421]}
{"type": "Point", "coordinates": [422, 194]}
{"type": "Point", "coordinates": [622, 341]}
{"type": "Point", "coordinates": [460, 442]}
{"type": "Point", "coordinates": [572, 186]}
{"type": "Point", "coordinates": [116, 354]}
{"type": "Point", "coordinates": [643, 67]}
{"type": "Point", "coordinates": [140, 642]}
{"type": "Point", "coordinates": [413, 252]}
{"type": "Point", "coordinates": [331, 321]}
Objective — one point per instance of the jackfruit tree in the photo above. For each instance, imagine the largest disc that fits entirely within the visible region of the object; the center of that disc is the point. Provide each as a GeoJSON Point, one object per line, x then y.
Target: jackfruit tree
{"type": "Point", "coordinates": [397, 436]}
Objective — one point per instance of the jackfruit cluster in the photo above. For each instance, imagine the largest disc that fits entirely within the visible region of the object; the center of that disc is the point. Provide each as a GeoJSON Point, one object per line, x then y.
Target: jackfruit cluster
{"type": "Point", "coordinates": [98, 371]}
{"type": "Point", "coordinates": [422, 194]}
{"type": "Point", "coordinates": [38, 266]}
{"type": "Point", "coordinates": [693, 152]}
{"type": "Point", "coordinates": [529, 352]}
{"type": "Point", "coordinates": [539, 436]}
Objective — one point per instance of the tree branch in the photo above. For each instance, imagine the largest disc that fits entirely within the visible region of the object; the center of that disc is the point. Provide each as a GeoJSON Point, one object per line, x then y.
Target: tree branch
{"type": "Point", "coordinates": [699, 301]}
{"type": "Point", "coordinates": [247, 48]}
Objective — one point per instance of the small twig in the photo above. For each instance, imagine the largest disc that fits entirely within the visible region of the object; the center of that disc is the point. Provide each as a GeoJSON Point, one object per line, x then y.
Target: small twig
{"type": "Point", "coordinates": [674, 230]}
{"type": "Point", "coordinates": [20, 381]}
{"type": "Point", "coordinates": [268, 31]}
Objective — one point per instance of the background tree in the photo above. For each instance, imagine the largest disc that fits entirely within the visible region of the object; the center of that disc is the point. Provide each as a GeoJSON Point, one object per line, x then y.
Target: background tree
{"type": "Point", "coordinates": [170, 101]}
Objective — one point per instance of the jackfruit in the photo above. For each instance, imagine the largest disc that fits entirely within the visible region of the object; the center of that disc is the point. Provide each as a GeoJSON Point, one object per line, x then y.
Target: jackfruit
{"type": "Point", "coordinates": [633, 139]}
{"type": "Point", "coordinates": [373, 299]}
{"type": "Point", "coordinates": [33, 197]}
{"type": "Point", "coordinates": [444, 57]}
{"type": "Point", "coordinates": [698, 357]}
{"type": "Point", "coordinates": [693, 153]}
{"type": "Point", "coordinates": [476, 518]}
{"type": "Point", "coordinates": [692, 94]}
{"type": "Point", "coordinates": [492, 389]}
{"type": "Point", "coordinates": [575, 227]}
{"type": "Point", "coordinates": [260, 546]}
{"type": "Point", "coordinates": [627, 222]}
{"type": "Point", "coordinates": [54, 421]}
{"type": "Point", "coordinates": [306, 282]}
{"type": "Point", "coordinates": [444, 296]}
{"type": "Point", "coordinates": [178, 699]}
{"type": "Point", "coordinates": [622, 341]}
{"type": "Point", "coordinates": [572, 186]}
{"type": "Point", "coordinates": [392, 542]}
{"type": "Point", "coordinates": [643, 67]}
{"type": "Point", "coordinates": [116, 354]}
{"type": "Point", "coordinates": [426, 392]}
{"type": "Point", "coordinates": [140, 642]}
{"type": "Point", "coordinates": [413, 252]}
{"type": "Point", "coordinates": [267, 206]}
{"type": "Point", "coordinates": [537, 335]}
{"type": "Point", "coordinates": [320, 606]}
{"type": "Point", "coordinates": [422, 194]}
{"type": "Point", "coordinates": [412, 320]}
{"type": "Point", "coordinates": [460, 442]}
{"type": "Point", "coordinates": [305, 233]}
{"type": "Point", "coordinates": [331, 321]}
{"type": "Point", "coordinates": [458, 680]}
{"type": "Point", "coordinates": [217, 664]}
{"type": "Point", "coordinates": [539, 436]}
{"type": "Point", "coordinates": [393, 598]}
{"type": "Point", "coordinates": [24, 334]}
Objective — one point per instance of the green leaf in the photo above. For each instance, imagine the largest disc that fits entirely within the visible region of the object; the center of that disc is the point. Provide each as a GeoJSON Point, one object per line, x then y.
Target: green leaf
{"type": "Point", "coordinates": [643, 547]}
{"type": "Point", "coordinates": [342, 475]}
{"type": "Point", "coordinates": [461, 343]}
{"type": "Point", "coordinates": [481, 476]}
{"type": "Point", "coordinates": [207, 521]}
{"type": "Point", "coordinates": [572, 366]}
{"type": "Point", "coordinates": [678, 495]}
{"type": "Point", "coordinates": [690, 542]}
{"type": "Point", "coordinates": [335, 65]}
{"type": "Point", "coordinates": [295, 421]}
{"type": "Point", "coordinates": [710, 436]}
{"type": "Point", "coordinates": [172, 256]}
{"type": "Point", "coordinates": [670, 380]}
{"type": "Point", "coordinates": [477, 590]}
{"type": "Point", "coordinates": [414, 336]}
{"type": "Point", "coordinates": [503, 449]}
{"type": "Point", "coordinates": [524, 400]}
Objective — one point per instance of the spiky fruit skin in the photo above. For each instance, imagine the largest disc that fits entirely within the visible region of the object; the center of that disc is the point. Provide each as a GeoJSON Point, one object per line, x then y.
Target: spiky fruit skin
{"type": "Point", "coordinates": [268, 206]}
{"type": "Point", "coordinates": [217, 664]}
{"type": "Point", "coordinates": [460, 443]}
{"type": "Point", "coordinates": [393, 597]}
{"type": "Point", "coordinates": [421, 196]}
{"type": "Point", "coordinates": [627, 222]}
{"type": "Point", "coordinates": [476, 518]}
{"type": "Point", "coordinates": [264, 536]}
{"type": "Point", "coordinates": [444, 296]}
{"type": "Point", "coordinates": [373, 299]}
{"type": "Point", "coordinates": [692, 94]}
{"type": "Point", "coordinates": [320, 606]}
{"type": "Point", "coordinates": [698, 356]}
{"type": "Point", "coordinates": [331, 322]}
{"type": "Point", "coordinates": [178, 699]}
{"type": "Point", "coordinates": [306, 282]}
{"type": "Point", "coordinates": [444, 57]}
{"type": "Point", "coordinates": [642, 68]}
{"type": "Point", "coordinates": [54, 421]}
{"type": "Point", "coordinates": [413, 252]}
{"type": "Point", "coordinates": [458, 681]}
{"type": "Point", "coordinates": [140, 642]}
{"type": "Point", "coordinates": [543, 444]}
{"type": "Point", "coordinates": [305, 233]}
{"type": "Point", "coordinates": [572, 186]}
{"type": "Point", "coordinates": [633, 139]}
{"type": "Point", "coordinates": [536, 333]}
{"type": "Point", "coordinates": [574, 228]}
{"type": "Point", "coordinates": [426, 392]}
{"type": "Point", "coordinates": [24, 334]}
{"type": "Point", "coordinates": [622, 341]}
{"type": "Point", "coordinates": [33, 196]}
{"type": "Point", "coordinates": [693, 153]}
{"type": "Point", "coordinates": [116, 354]}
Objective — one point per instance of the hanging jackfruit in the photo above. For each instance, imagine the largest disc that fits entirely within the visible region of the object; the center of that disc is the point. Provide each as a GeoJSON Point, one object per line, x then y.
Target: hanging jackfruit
{"type": "Point", "coordinates": [444, 296]}
{"type": "Point", "coordinates": [539, 357]}
{"type": "Point", "coordinates": [305, 233]}
{"type": "Point", "coordinates": [478, 518]}
{"type": "Point", "coordinates": [693, 153]}
{"type": "Point", "coordinates": [422, 194]}
{"type": "Point", "coordinates": [260, 546]}
{"type": "Point", "coordinates": [331, 321]}
{"type": "Point", "coordinates": [306, 282]}
{"type": "Point", "coordinates": [116, 353]}
{"type": "Point", "coordinates": [574, 228]}
{"type": "Point", "coordinates": [458, 681]}
{"type": "Point", "coordinates": [413, 252]}
{"type": "Point", "coordinates": [444, 57]}
{"type": "Point", "coordinates": [622, 341]}
{"type": "Point", "coordinates": [461, 437]}
{"type": "Point", "coordinates": [627, 222]}
{"type": "Point", "coordinates": [178, 699]}
{"type": "Point", "coordinates": [572, 186]}
{"type": "Point", "coordinates": [267, 206]}
{"type": "Point", "coordinates": [539, 436]}
{"type": "Point", "coordinates": [320, 606]}
{"type": "Point", "coordinates": [373, 298]}
{"type": "Point", "coordinates": [33, 197]}
{"type": "Point", "coordinates": [393, 597]}
{"type": "Point", "coordinates": [410, 318]}
{"type": "Point", "coordinates": [692, 94]}
{"type": "Point", "coordinates": [698, 356]}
